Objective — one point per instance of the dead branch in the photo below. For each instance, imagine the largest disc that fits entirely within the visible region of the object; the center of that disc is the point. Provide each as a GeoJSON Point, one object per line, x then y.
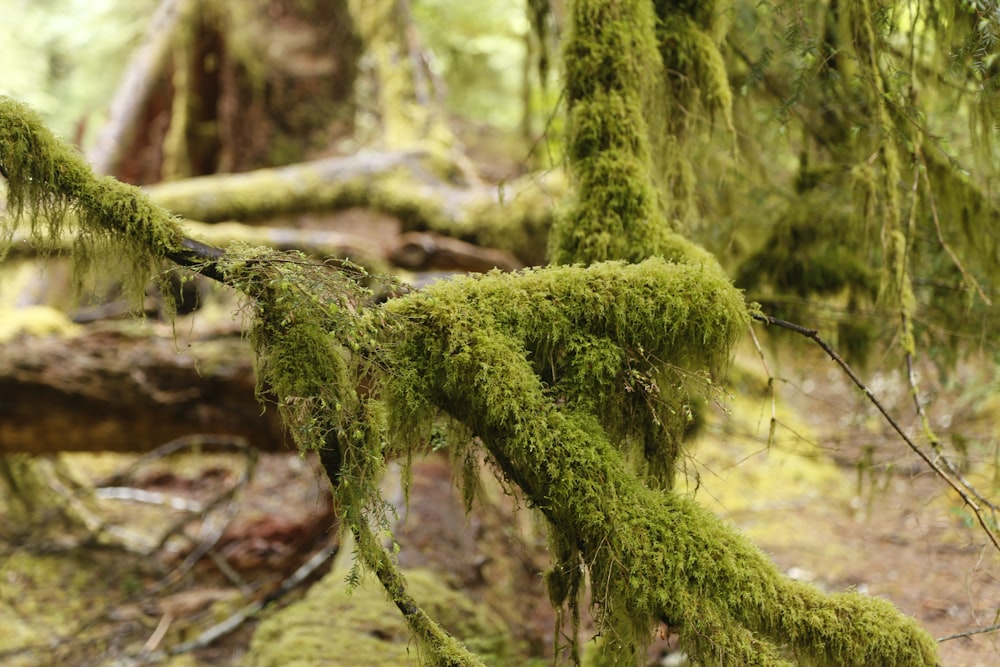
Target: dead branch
{"type": "Point", "coordinates": [931, 462]}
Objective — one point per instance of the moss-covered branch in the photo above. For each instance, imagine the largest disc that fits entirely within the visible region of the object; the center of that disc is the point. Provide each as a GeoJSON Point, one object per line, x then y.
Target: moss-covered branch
{"type": "Point", "coordinates": [514, 216]}
{"type": "Point", "coordinates": [474, 348]}
{"type": "Point", "coordinates": [46, 177]}
{"type": "Point", "coordinates": [651, 555]}
{"type": "Point", "coordinates": [612, 66]}
{"type": "Point", "coordinates": [303, 330]}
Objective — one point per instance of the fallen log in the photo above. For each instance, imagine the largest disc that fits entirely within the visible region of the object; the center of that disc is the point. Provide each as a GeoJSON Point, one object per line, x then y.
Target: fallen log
{"type": "Point", "coordinates": [106, 390]}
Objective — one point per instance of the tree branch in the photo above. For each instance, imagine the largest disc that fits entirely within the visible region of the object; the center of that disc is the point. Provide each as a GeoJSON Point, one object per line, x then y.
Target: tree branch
{"type": "Point", "coordinates": [957, 486]}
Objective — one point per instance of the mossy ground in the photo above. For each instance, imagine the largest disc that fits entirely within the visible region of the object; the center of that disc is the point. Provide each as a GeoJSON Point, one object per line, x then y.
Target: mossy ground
{"type": "Point", "coordinates": [362, 628]}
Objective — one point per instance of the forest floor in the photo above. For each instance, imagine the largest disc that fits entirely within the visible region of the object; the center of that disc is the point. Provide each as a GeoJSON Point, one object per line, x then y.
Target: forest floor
{"type": "Point", "coordinates": [70, 596]}
{"type": "Point", "coordinates": [839, 500]}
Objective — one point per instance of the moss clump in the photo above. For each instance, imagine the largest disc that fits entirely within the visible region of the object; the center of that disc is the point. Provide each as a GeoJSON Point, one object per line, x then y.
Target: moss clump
{"type": "Point", "coordinates": [360, 628]}
{"type": "Point", "coordinates": [813, 250]}
{"type": "Point", "coordinates": [618, 341]}
{"type": "Point", "coordinates": [34, 321]}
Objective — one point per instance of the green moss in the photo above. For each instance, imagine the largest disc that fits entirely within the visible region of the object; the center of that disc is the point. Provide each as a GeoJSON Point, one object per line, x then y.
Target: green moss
{"type": "Point", "coordinates": [617, 57]}
{"type": "Point", "coordinates": [608, 55]}
{"type": "Point", "coordinates": [477, 347]}
{"type": "Point", "coordinates": [814, 249]}
{"type": "Point", "coordinates": [692, 89]}
{"type": "Point", "coordinates": [47, 180]}
{"type": "Point", "coordinates": [360, 628]}
{"type": "Point", "coordinates": [614, 340]}
{"type": "Point", "coordinates": [55, 591]}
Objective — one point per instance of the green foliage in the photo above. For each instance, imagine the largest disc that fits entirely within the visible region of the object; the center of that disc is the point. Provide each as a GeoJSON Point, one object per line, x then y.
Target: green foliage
{"type": "Point", "coordinates": [694, 82]}
{"type": "Point", "coordinates": [902, 98]}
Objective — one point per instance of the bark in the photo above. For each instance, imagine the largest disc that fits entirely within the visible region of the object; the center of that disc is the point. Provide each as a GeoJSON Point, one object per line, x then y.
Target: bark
{"type": "Point", "coordinates": [110, 391]}
{"type": "Point", "coordinates": [232, 86]}
{"type": "Point", "coordinates": [425, 251]}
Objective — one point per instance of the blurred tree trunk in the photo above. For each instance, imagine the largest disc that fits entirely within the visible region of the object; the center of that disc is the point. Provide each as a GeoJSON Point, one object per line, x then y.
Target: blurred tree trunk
{"type": "Point", "coordinates": [247, 85]}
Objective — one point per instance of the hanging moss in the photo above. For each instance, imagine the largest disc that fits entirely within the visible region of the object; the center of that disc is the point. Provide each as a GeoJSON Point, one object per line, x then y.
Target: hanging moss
{"type": "Point", "coordinates": [311, 348]}
{"type": "Point", "coordinates": [608, 58]}
{"type": "Point", "coordinates": [688, 36]}
{"type": "Point", "coordinates": [692, 89]}
{"type": "Point", "coordinates": [814, 249]}
{"type": "Point", "coordinates": [50, 187]}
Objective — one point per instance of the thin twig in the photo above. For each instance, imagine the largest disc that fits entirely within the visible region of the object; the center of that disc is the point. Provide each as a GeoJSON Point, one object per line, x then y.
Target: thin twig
{"type": "Point", "coordinates": [935, 441]}
{"type": "Point", "coordinates": [234, 621]}
{"type": "Point", "coordinates": [813, 334]}
{"type": "Point", "coordinates": [969, 633]}
{"type": "Point", "coordinates": [966, 276]}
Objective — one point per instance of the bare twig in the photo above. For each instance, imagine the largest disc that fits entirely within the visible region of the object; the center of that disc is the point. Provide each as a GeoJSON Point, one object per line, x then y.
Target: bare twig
{"type": "Point", "coordinates": [935, 441]}
{"type": "Point", "coordinates": [237, 619]}
{"type": "Point", "coordinates": [770, 387]}
{"type": "Point", "coordinates": [970, 633]}
{"type": "Point", "coordinates": [966, 276]}
{"type": "Point", "coordinates": [213, 526]}
{"type": "Point", "coordinates": [957, 486]}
